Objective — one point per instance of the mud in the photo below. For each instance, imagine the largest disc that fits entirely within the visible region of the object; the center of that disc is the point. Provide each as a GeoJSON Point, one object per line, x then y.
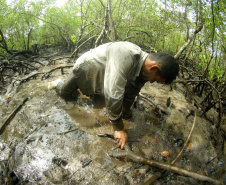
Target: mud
{"type": "Point", "coordinates": [51, 141]}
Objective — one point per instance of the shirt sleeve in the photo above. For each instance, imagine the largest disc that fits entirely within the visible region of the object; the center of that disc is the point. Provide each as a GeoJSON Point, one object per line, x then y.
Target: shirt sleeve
{"type": "Point", "coordinates": [131, 91]}
{"type": "Point", "coordinates": [120, 62]}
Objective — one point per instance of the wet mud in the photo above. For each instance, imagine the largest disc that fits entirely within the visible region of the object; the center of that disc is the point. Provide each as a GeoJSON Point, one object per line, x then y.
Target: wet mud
{"type": "Point", "coordinates": [51, 141]}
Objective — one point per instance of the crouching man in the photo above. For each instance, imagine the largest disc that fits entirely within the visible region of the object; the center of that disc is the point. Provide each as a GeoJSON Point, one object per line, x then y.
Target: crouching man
{"type": "Point", "coordinates": [117, 70]}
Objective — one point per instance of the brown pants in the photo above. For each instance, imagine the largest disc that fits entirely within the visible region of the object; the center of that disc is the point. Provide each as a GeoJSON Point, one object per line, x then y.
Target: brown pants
{"type": "Point", "coordinates": [69, 88]}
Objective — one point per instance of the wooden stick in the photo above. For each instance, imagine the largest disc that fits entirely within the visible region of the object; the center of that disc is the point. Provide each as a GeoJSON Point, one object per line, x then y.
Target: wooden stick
{"type": "Point", "coordinates": [129, 154]}
{"type": "Point", "coordinates": [12, 115]}
{"type": "Point", "coordinates": [186, 142]}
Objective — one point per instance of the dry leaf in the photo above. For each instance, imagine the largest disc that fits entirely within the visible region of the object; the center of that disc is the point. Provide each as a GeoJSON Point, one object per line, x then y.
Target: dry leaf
{"type": "Point", "coordinates": [206, 171]}
{"type": "Point", "coordinates": [102, 178]}
{"type": "Point", "coordinates": [189, 146]}
{"type": "Point", "coordinates": [155, 141]}
{"type": "Point", "coordinates": [155, 110]}
{"type": "Point", "coordinates": [135, 174]}
{"type": "Point", "coordinates": [122, 158]}
{"type": "Point", "coordinates": [222, 182]}
{"type": "Point", "coordinates": [165, 154]}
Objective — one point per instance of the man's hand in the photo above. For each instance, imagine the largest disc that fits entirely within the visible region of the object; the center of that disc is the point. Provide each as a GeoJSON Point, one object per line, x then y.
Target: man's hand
{"type": "Point", "coordinates": [121, 137]}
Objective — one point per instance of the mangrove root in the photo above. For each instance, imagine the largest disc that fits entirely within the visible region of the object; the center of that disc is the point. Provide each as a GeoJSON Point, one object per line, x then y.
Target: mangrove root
{"type": "Point", "coordinates": [12, 115]}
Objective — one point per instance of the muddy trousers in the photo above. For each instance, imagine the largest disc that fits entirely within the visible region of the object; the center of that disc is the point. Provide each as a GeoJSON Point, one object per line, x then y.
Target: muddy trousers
{"type": "Point", "coordinates": [69, 88]}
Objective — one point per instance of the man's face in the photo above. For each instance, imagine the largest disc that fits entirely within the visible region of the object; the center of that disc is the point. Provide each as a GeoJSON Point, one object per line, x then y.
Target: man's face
{"type": "Point", "coordinates": [155, 78]}
{"type": "Point", "coordinates": [160, 80]}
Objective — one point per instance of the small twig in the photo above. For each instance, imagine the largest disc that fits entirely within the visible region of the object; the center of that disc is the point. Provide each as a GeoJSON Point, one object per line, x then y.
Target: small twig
{"type": "Point", "coordinates": [27, 137]}
{"type": "Point", "coordinates": [68, 131]}
{"type": "Point", "coordinates": [186, 142]}
{"type": "Point", "coordinates": [111, 136]}
{"type": "Point", "coordinates": [153, 103]}
{"type": "Point", "coordinates": [108, 135]}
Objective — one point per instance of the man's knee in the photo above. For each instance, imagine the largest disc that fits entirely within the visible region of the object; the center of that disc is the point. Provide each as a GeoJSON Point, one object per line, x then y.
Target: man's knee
{"type": "Point", "coordinates": [59, 88]}
{"type": "Point", "coordinates": [66, 94]}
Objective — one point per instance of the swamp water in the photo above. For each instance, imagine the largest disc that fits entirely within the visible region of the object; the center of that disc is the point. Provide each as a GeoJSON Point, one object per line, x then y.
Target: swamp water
{"type": "Point", "coordinates": [51, 141]}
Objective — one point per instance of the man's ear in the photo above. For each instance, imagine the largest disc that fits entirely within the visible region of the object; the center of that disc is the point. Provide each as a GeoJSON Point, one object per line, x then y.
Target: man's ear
{"type": "Point", "coordinates": [154, 67]}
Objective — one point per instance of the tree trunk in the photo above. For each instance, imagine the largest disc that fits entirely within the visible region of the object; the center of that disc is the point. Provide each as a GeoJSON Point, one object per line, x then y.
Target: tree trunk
{"type": "Point", "coordinates": [105, 27]}
{"type": "Point", "coordinates": [28, 39]}
{"type": "Point", "coordinates": [111, 23]}
{"type": "Point", "coordinates": [192, 36]}
{"type": "Point", "coordinates": [3, 43]}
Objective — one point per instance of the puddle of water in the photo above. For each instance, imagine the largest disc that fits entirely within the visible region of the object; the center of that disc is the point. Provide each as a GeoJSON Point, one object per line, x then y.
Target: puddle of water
{"type": "Point", "coordinates": [90, 114]}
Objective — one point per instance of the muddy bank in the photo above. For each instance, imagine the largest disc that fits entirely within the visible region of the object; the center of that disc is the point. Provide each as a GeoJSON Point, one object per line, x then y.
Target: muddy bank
{"type": "Point", "coordinates": [51, 141]}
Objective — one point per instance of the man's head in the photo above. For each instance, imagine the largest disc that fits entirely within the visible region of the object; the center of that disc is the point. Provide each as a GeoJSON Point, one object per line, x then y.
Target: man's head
{"type": "Point", "coordinates": [160, 67]}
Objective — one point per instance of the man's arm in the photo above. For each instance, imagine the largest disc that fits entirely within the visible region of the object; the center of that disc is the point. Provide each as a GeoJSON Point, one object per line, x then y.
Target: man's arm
{"type": "Point", "coordinates": [120, 62]}
{"type": "Point", "coordinates": [132, 89]}
{"type": "Point", "coordinates": [115, 116]}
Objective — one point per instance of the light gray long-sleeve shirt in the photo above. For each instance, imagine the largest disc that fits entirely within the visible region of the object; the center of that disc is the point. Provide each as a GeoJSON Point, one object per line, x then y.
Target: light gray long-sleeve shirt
{"type": "Point", "coordinates": [112, 70]}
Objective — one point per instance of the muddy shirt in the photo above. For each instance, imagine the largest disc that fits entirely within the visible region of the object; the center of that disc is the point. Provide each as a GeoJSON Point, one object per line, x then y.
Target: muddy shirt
{"type": "Point", "coordinates": [112, 70]}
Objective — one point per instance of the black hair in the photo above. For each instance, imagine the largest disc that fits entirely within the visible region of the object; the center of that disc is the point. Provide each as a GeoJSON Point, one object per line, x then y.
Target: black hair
{"type": "Point", "coordinates": [169, 67]}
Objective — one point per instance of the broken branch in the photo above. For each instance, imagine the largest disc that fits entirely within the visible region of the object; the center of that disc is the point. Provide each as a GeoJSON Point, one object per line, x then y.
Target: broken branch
{"type": "Point", "coordinates": [129, 154]}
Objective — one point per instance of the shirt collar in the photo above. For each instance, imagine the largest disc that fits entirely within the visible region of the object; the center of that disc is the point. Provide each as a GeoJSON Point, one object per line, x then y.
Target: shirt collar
{"type": "Point", "coordinates": [141, 62]}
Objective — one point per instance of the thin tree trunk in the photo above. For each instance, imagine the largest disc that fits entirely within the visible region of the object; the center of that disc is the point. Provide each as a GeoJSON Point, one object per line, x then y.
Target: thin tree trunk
{"type": "Point", "coordinates": [3, 43]}
{"type": "Point", "coordinates": [111, 23]}
{"type": "Point", "coordinates": [192, 36]}
{"type": "Point", "coordinates": [105, 27]}
{"type": "Point", "coordinates": [28, 39]}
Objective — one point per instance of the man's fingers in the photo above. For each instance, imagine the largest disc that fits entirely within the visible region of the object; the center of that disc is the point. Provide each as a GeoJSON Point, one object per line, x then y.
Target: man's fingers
{"type": "Point", "coordinates": [121, 138]}
{"type": "Point", "coordinates": [121, 143]}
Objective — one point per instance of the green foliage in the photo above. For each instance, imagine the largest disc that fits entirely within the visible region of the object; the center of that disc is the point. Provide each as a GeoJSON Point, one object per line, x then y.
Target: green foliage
{"type": "Point", "coordinates": [163, 25]}
{"type": "Point", "coordinates": [73, 38]}
{"type": "Point", "coordinates": [216, 72]}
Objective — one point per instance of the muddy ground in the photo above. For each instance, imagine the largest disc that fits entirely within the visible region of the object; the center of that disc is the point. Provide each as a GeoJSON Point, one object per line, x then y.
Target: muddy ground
{"type": "Point", "coordinates": [51, 141]}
